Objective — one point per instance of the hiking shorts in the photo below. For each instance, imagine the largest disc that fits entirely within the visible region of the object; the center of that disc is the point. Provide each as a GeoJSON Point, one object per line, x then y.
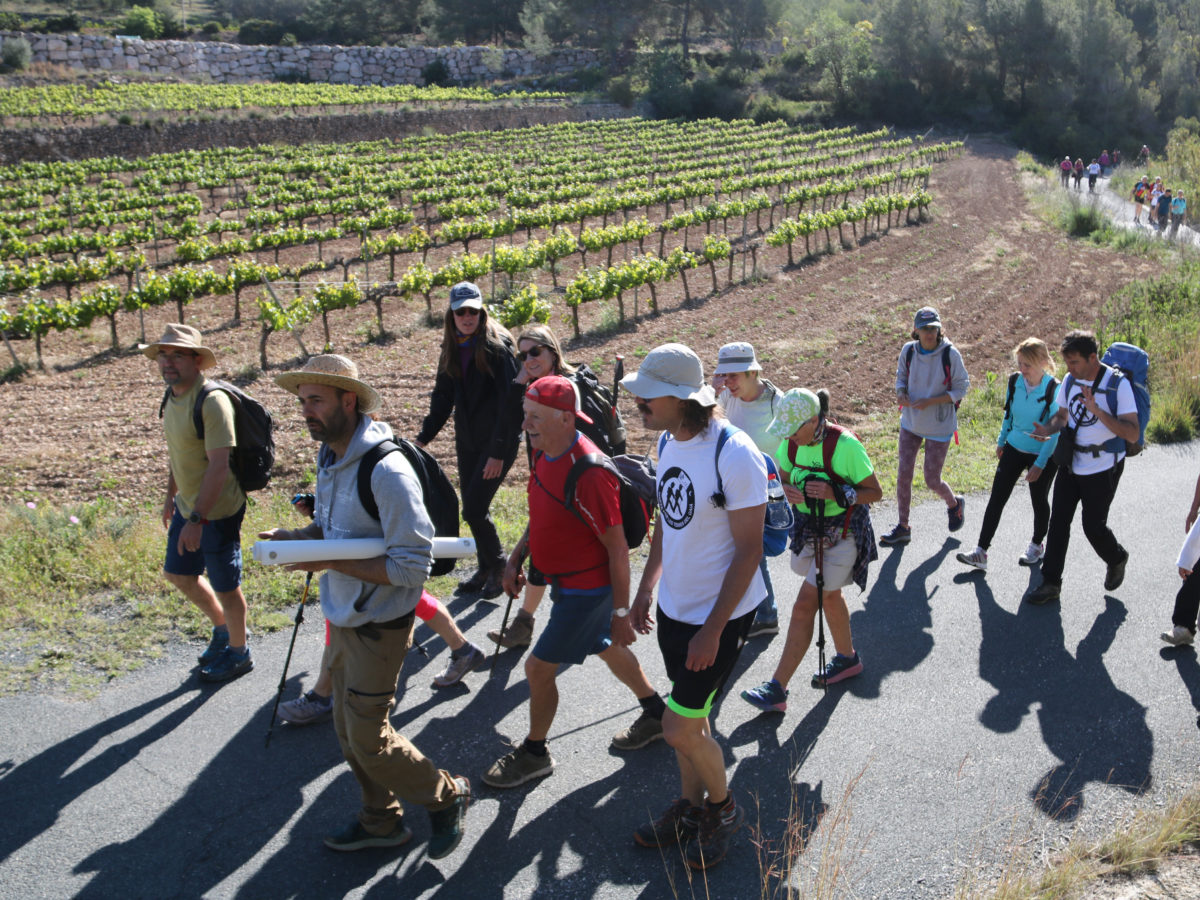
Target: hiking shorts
{"type": "Point", "coordinates": [693, 693]}
{"type": "Point", "coordinates": [580, 625]}
{"type": "Point", "coordinates": [838, 563]}
{"type": "Point", "coordinates": [220, 552]}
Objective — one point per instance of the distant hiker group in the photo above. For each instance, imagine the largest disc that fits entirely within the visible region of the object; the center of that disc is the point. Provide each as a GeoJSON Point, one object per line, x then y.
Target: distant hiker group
{"type": "Point", "coordinates": [1166, 208]}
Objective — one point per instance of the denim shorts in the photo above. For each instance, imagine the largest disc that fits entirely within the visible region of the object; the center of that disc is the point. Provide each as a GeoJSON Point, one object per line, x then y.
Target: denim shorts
{"type": "Point", "coordinates": [580, 625]}
{"type": "Point", "coordinates": [220, 551]}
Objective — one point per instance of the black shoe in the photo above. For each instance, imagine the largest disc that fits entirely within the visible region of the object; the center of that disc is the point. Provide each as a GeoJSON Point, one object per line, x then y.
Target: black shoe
{"type": "Point", "coordinates": [493, 586]}
{"type": "Point", "coordinates": [473, 584]}
{"type": "Point", "coordinates": [1046, 592]}
{"type": "Point", "coordinates": [1116, 572]}
{"type": "Point", "coordinates": [447, 824]}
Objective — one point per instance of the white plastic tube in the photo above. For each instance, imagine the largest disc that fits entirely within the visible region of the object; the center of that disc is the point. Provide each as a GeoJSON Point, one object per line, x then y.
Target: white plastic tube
{"type": "Point", "coordinates": [284, 553]}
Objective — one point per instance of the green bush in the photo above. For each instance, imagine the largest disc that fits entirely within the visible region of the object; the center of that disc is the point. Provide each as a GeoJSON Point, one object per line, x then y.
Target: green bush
{"type": "Point", "coordinates": [17, 54]}
{"type": "Point", "coordinates": [710, 99]}
{"type": "Point", "coordinates": [260, 31]}
{"type": "Point", "coordinates": [143, 22]}
{"type": "Point", "coordinates": [437, 72]}
{"type": "Point", "coordinates": [667, 87]}
{"type": "Point", "coordinates": [211, 28]}
{"type": "Point", "coordinates": [10, 21]}
{"type": "Point", "coordinates": [620, 90]}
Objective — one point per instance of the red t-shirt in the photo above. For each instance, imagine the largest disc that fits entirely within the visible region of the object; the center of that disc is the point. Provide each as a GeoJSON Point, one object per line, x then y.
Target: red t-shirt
{"type": "Point", "coordinates": [560, 541]}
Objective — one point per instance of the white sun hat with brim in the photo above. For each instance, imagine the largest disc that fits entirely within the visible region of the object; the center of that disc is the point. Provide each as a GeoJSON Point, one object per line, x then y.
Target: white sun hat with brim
{"type": "Point", "coordinates": [336, 371]}
{"type": "Point", "coordinates": [671, 370]}
{"type": "Point", "coordinates": [736, 357]}
{"type": "Point", "coordinates": [184, 337]}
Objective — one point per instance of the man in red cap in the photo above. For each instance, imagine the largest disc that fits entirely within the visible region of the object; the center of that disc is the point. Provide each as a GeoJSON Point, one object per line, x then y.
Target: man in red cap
{"type": "Point", "coordinates": [581, 549]}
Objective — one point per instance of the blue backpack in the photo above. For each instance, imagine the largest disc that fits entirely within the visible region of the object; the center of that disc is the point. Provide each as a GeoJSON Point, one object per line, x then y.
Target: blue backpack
{"type": "Point", "coordinates": [1133, 363]}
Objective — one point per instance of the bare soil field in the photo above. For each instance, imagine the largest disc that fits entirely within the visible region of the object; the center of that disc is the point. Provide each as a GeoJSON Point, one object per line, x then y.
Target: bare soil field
{"type": "Point", "coordinates": [88, 426]}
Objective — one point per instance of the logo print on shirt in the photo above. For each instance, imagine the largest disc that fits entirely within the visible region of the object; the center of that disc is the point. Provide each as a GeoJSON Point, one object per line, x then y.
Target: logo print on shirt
{"type": "Point", "coordinates": [676, 497]}
{"type": "Point", "coordinates": [1080, 413]}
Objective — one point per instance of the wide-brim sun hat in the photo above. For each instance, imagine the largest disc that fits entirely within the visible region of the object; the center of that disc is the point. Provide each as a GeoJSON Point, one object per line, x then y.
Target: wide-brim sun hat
{"type": "Point", "coordinates": [736, 357]}
{"type": "Point", "coordinates": [465, 295]}
{"type": "Point", "coordinates": [792, 410]}
{"type": "Point", "coordinates": [185, 337]}
{"type": "Point", "coordinates": [336, 371]}
{"type": "Point", "coordinates": [671, 370]}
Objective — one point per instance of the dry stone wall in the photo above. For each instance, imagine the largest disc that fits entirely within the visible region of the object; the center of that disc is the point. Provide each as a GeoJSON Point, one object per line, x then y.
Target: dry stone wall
{"type": "Point", "coordinates": [223, 62]}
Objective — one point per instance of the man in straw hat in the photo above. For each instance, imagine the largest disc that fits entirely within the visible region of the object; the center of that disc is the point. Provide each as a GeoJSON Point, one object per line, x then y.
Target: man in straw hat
{"type": "Point", "coordinates": [706, 548]}
{"type": "Point", "coordinates": [370, 605]}
{"type": "Point", "coordinates": [204, 505]}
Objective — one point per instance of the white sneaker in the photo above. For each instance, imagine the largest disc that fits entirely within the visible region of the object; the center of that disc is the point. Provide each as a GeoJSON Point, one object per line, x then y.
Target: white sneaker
{"type": "Point", "coordinates": [1178, 636]}
{"type": "Point", "coordinates": [1033, 554]}
{"type": "Point", "coordinates": [308, 708]}
{"type": "Point", "coordinates": [976, 558]}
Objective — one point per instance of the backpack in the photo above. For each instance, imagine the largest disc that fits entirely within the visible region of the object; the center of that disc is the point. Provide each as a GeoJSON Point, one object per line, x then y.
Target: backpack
{"type": "Point", "coordinates": [1051, 387]}
{"type": "Point", "coordinates": [635, 477]}
{"type": "Point", "coordinates": [833, 433]}
{"type": "Point", "coordinates": [1133, 363]}
{"type": "Point", "coordinates": [252, 459]}
{"type": "Point", "coordinates": [437, 493]}
{"type": "Point", "coordinates": [608, 432]}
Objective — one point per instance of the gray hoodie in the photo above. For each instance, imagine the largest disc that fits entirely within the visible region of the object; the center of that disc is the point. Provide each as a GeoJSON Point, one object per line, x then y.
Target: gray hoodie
{"type": "Point", "coordinates": [404, 525]}
{"type": "Point", "coordinates": [927, 378]}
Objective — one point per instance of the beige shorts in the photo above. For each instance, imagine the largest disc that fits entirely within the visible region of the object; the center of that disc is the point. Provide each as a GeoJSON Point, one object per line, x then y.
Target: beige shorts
{"type": "Point", "coordinates": [838, 563]}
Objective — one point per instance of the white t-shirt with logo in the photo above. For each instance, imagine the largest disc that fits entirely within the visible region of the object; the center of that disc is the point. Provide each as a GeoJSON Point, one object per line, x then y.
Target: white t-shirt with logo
{"type": "Point", "coordinates": [1091, 431]}
{"type": "Point", "coordinates": [697, 542]}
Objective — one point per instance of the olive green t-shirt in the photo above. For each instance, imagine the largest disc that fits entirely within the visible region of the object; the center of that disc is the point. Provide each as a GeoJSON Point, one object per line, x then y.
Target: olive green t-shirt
{"type": "Point", "coordinates": [188, 454]}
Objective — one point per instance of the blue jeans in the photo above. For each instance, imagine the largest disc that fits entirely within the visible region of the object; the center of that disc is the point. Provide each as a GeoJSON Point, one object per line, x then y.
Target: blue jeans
{"type": "Point", "coordinates": [767, 611]}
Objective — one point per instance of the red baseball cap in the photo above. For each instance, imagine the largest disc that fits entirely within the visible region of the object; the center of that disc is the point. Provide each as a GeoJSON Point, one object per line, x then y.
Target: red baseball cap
{"type": "Point", "coordinates": [557, 392]}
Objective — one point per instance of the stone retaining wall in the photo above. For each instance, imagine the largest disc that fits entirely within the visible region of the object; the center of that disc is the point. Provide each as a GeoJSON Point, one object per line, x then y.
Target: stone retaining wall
{"type": "Point", "coordinates": [223, 62]}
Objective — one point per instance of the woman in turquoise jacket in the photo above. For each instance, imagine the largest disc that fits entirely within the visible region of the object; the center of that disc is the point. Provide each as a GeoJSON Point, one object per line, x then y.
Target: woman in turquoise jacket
{"type": "Point", "coordinates": [1030, 401]}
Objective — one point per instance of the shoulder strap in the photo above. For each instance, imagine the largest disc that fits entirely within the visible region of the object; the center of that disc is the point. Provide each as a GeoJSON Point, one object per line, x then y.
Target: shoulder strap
{"type": "Point", "coordinates": [1012, 387]}
{"type": "Point", "coordinates": [366, 466]}
{"type": "Point", "coordinates": [908, 355]}
{"type": "Point", "coordinates": [722, 437]}
{"type": "Point", "coordinates": [1051, 388]}
{"type": "Point", "coordinates": [833, 433]}
{"type": "Point", "coordinates": [198, 410]}
{"type": "Point", "coordinates": [946, 364]}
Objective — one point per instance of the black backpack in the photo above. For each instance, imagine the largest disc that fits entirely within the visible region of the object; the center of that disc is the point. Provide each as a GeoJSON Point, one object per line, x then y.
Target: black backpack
{"type": "Point", "coordinates": [437, 493]}
{"type": "Point", "coordinates": [636, 482]}
{"type": "Point", "coordinates": [608, 432]}
{"type": "Point", "coordinates": [253, 458]}
{"type": "Point", "coordinates": [1051, 389]}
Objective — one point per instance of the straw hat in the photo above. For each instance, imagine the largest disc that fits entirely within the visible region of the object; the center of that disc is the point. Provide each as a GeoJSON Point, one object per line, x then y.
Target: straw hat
{"type": "Point", "coordinates": [336, 371]}
{"type": "Point", "coordinates": [184, 337]}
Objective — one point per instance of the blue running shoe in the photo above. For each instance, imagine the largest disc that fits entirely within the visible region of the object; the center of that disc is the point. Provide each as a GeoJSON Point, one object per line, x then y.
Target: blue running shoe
{"type": "Point", "coordinates": [229, 665]}
{"type": "Point", "coordinates": [769, 696]}
{"type": "Point", "coordinates": [220, 640]}
{"type": "Point", "coordinates": [838, 669]}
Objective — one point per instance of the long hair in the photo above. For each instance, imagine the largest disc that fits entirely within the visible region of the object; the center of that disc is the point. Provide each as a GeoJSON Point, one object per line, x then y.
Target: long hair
{"type": "Point", "coordinates": [1035, 351]}
{"type": "Point", "coordinates": [492, 336]}
{"type": "Point", "coordinates": [544, 337]}
{"type": "Point", "coordinates": [696, 416]}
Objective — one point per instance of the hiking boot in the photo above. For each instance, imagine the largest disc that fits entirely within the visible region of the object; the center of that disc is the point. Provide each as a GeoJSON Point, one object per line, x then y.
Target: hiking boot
{"type": "Point", "coordinates": [717, 828]}
{"type": "Point", "coordinates": [678, 825]}
{"type": "Point", "coordinates": [355, 837]}
{"type": "Point", "coordinates": [474, 583]}
{"type": "Point", "coordinates": [517, 767]}
{"type": "Point", "coordinates": [1179, 636]}
{"type": "Point", "coordinates": [493, 585]}
{"type": "Point", "coordinates": [770, 696]}
{"type": "Point", "coordinates": [518, 634]}
{"type": "Point", "coordinates": [307, 709]}
{"type": "Point", "coordinates": [229, 665]}
{"type": "Point", "coordinates": [957, 513]}
{"type": "Point", "coordinates": [1033, 555]}
{"type": "Point", "coordinates": [1116, 572]}
{"type": "Point", "coordinates": [763, 626]}
{"type": "Point", "coordinates": [900, 534]}
{"type": "Point", "coordinates": [470, 657]}
{"type": "Point", "coordinates": [838, 669]}
{"type": "Point", "coordinates": [976, 558]}
{"type": "Point", "coordinates": [220, 640]}
{"type": "Point", "coordinates": [446, 825]}
{"type": "Point", "coordinates": [1046, 592]}
{"type": "Point", "coordinates": [645, 728]}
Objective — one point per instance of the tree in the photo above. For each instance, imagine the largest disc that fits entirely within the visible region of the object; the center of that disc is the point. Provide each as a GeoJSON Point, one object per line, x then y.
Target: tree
{"type": "Point", "coordinates": [843, 54]}
{"type": "Point", "coordinates": [142, 21]}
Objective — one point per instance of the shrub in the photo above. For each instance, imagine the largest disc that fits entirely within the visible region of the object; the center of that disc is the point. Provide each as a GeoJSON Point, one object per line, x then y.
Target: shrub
{"type": "Point", "coordinates": [711, 99]}
{"type": "Point", "coordinates": [17, 54]}
{"type": "Point", "coordinates": [667, 86]}
{"type": "Point", "coordinates": [437, 72]}
{"type": "Point", "coordinates": [143, 22]}
{"type": "Point", "coordinates": [620, 90]}
{"type": "Point", "coordinates": [211, 28]}
{"type": "Point", "coordinates": [260, 31]}
{"type": "Point", "coordinates": [10, 21]}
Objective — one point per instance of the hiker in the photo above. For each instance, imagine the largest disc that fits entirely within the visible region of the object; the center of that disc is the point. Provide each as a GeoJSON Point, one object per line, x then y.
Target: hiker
{"type": "Point", "coordinates": [539, 353]}
{"type": "Point", "coordinates": [1104, 161]}
{"type": "Point", "coordinates": [832, 506]}
{"type": "Point", "coordinates": [1144, 156]}
{"type": "Point", "coordinates": [1090, 476]}
{"type": "Point", "coordinates": [1178, 212]}
{"type": "Point", "coordinates": [704, 561]}
{"type": "Point", "coordinates": [583, 552]}
{"type": "Point", "coordinates": [931, 380]}
{"type": "Point", "coordinates": [1187, 601]}
{"type": "Point", "coordinates": [476, 366]}
{"type": "Point", "coordinates": [1030, 400]}
{"type": "Point", "coordinates": [204, 505]}
{"type": "Point", "coordinates": [1077, 171]}
{"type": "Point", "coordinates": [749, 402]}
{"type": "Point", "coordinates": [1164, 210]}
{"type": "Point", "coordinates": [1065, 171]}
{"type": "Point", "coordinates": [1093, 174]}
{"type": "Point", "coordinates": [370, 605]}
{"type": "Point", "coordinates": [1156, 192]}
{"type": "Point", "coordinates": [1141, 192]}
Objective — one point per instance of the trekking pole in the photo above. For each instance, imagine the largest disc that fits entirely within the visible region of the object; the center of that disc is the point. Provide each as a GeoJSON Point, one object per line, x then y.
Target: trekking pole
{"type": "Point", "coordinates": [504, 624]}
{"type": "Point", "coordinates": [819, 562]}
{"type": "Point", "coordinates": [618, 374]}
{"type": "Point", "coordinates": [288, 661]}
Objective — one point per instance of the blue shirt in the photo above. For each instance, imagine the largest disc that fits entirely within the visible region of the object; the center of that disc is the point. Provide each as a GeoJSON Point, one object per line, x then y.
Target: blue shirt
{"type": "Point", "coordinates": [1027, 410]}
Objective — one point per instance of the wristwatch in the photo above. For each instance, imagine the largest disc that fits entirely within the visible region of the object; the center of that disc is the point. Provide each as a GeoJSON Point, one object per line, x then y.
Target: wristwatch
{"type": "Point", "coordinates": [621, 612]}
{"type": "Point", "coordinates": [196, 519]}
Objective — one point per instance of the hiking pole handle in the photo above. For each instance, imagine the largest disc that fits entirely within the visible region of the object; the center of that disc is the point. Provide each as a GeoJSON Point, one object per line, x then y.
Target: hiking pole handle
{"type": "Point", "coordinates": [288, 660]}
{"type": "Point", "coordinates": [507, 611]}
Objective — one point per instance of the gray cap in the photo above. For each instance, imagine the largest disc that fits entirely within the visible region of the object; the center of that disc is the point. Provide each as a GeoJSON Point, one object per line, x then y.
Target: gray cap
{"type": "Point", "coordinates": [671, 370]}
{"type": "Point", "coordinates": [927, 317]}
{"type": "Point", "coordinates": [736, 357]}
{"type": "Point", "coordinates": [465, 295]}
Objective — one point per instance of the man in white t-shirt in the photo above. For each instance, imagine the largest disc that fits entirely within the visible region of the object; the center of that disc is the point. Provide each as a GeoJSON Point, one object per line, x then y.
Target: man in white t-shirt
{"type": "Point", "coordinates": [1086, 405]}
{"type": "Point", "coordinates": [704, 560]}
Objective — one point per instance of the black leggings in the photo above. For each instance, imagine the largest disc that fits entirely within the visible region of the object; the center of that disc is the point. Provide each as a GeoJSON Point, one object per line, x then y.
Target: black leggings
{"type": "Point", "coordinates": [477, 493]}
{"type": "Point", "coordinates": [1012, 463]}
{"type": "Point", "coordinates": [1187, 603]}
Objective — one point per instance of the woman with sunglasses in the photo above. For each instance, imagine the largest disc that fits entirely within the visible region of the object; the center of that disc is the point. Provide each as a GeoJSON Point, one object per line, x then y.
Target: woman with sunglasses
{"type": "Point", "coordinates": [476, 368]}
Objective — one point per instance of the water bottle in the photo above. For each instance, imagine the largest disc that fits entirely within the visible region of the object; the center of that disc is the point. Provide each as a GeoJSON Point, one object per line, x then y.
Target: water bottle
{"type": "Point", "coordinates": [779, 511]}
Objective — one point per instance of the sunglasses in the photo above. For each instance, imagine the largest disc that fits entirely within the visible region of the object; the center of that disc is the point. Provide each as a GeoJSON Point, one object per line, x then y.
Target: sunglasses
{"type": "Point", "coordinates": [466, 311]}
{"type": "Point", "coordinates": [535, 352]}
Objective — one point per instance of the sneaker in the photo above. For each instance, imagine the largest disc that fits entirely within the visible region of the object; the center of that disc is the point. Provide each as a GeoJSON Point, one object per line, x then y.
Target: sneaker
{"type": "Point", "coordinates": [957, 513]}
{"type": "Point", "coordinates": [1033, 555]}
{"type": "Point", "coordinates": [1179, 636]}
{"type": "Point", "coordinates": [678, 825]}
{"type": "Point", "coordinates": [220, 640]}
{"type": "Point", "coordinates": [763, 626]}
{"type": "Point", "coordinates": [900, 534]}
{"type": "Point", "coordinates": [517, 767]}
{"type": "Point", "coordinates": [474, 583]}
{"type": "Point", "coordinates": [770, 696]}
{"type": "Point", "coordinates": [717, 828]}
{"type": "Point", "coordinates": [645, 729]}
{"type": "Point", "coordinates": [1046, 592]}
{"type": "Point", "coordinates": [307, 709]}
{"type": "Point", "coordinates": [470, 658]}
{"type": "Point", "coordinates": [976, 558]}
{"type": "Point", "coordinates": [518, 634]}
{"type": "Point", "coordinates": [838, 669]}
{"type": "Point", "coordinates": [355, 837]}
{"type": "Point", "coordinates": [1116, 572]}
{"type": "Point", "coordinates": [446, 825]}
{"type": "Point", "coordinates": [228, 666]}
